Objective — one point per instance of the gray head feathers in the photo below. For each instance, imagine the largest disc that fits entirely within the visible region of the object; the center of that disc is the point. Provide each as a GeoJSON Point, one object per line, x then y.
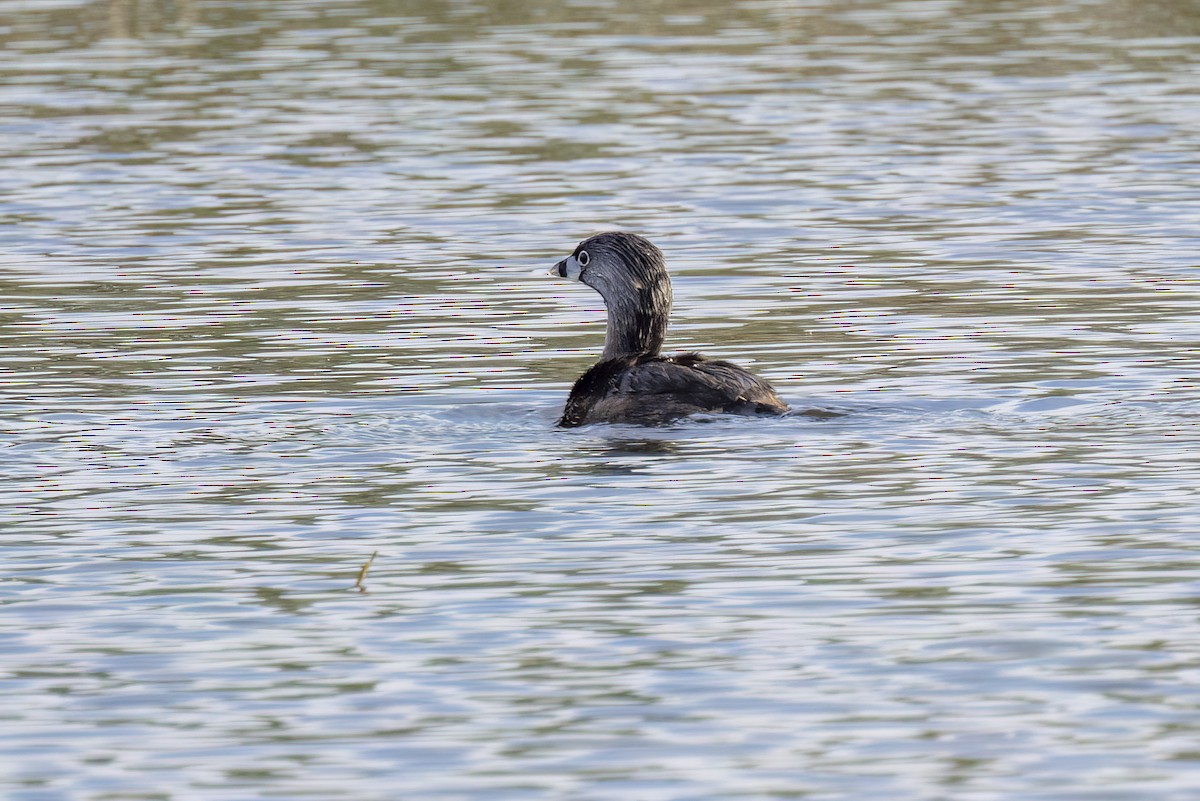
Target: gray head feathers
{"type": "Point", "coordinates": [629, 273]}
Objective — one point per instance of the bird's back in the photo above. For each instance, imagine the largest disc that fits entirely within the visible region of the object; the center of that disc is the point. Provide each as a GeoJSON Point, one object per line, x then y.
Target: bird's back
{"type": "Point", "coordinates": [655, 389]}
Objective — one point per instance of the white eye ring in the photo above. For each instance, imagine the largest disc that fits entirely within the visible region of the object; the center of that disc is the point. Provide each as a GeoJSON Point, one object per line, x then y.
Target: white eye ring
{"type": "Point", "coordinates": [583, 258]}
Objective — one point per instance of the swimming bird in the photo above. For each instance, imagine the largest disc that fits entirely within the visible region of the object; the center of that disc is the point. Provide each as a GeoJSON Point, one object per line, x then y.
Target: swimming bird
{"type": "Point", "coordinates": [633, 382]}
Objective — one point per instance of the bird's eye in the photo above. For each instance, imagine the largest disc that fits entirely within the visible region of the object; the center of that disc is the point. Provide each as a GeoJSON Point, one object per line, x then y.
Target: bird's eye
{"type": "Point", "coordinates": [583, 258]}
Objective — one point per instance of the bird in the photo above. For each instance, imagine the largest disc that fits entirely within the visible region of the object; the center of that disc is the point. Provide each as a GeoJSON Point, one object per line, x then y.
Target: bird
{"type": "Point", "coordinates": [633, 382]}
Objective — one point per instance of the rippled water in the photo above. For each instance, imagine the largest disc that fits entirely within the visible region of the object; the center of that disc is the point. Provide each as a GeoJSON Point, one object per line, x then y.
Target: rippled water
{"type": "Point", "coordinates": [272, 303]}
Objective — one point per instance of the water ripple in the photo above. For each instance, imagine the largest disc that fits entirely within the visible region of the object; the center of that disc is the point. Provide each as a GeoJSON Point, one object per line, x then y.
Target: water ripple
{"type": "Point", "coordinates": [273, 305]}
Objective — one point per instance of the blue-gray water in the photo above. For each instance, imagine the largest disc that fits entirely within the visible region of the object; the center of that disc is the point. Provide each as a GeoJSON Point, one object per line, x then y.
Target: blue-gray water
{"type": "Point", "coordinates": [272, 299]}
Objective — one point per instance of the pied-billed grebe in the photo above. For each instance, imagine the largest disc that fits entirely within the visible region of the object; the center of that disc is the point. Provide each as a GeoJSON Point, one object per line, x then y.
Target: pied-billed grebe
{"type": "Point", "coordinates": [633, 382]}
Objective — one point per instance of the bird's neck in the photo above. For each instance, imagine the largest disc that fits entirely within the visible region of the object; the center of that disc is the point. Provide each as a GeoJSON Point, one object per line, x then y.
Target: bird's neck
{"type": "Point", "coordinates": [637, 319]}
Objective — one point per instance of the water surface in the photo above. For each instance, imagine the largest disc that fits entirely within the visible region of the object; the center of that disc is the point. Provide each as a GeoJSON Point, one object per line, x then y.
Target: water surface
{"type": "Point", "coordinates": [272, 301]}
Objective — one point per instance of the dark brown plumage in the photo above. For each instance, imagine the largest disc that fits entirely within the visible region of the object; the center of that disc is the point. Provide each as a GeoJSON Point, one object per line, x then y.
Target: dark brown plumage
{"type": "Point", "coordinates": [633, 383]}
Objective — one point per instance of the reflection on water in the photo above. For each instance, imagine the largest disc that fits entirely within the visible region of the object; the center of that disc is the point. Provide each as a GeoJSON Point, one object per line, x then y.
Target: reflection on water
{"type": "Point", "coordinates": [269, 308]}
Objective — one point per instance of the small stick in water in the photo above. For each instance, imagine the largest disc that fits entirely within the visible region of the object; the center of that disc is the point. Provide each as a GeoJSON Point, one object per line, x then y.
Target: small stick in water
{"type": "Point", "coordinates": [362, 572]}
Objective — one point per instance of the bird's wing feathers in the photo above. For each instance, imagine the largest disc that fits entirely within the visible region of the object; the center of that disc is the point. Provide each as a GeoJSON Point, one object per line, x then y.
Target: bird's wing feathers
{"type": "Point", "coordinates": [654, 387]}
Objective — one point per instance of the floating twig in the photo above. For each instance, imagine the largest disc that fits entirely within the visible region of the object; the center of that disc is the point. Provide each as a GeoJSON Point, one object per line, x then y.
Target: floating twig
{"type": "Point", "coordinates": [362, 572]}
